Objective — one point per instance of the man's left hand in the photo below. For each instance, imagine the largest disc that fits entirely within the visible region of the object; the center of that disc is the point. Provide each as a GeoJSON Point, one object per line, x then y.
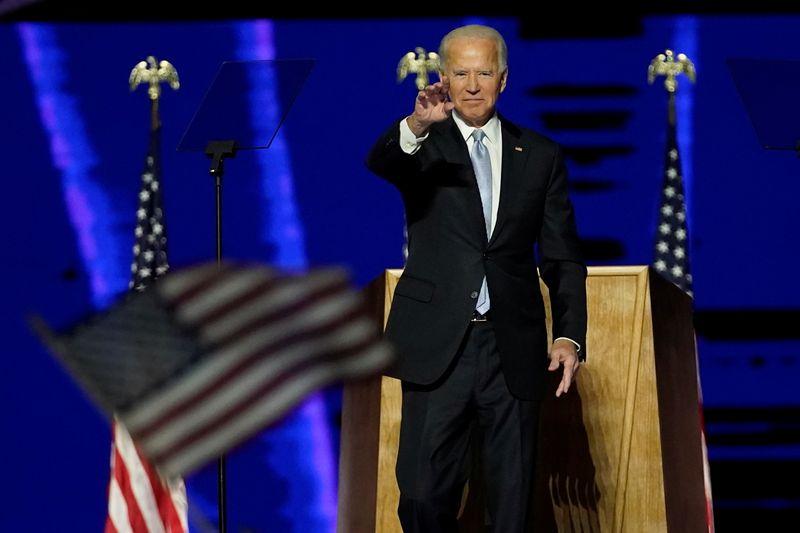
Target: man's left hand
{"type": "Point", "coordinates": [564, 353]}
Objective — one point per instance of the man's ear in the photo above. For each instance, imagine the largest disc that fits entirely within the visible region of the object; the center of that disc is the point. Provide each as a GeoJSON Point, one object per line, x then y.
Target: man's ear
{"type": "Point", "coordinates": [503, 80]}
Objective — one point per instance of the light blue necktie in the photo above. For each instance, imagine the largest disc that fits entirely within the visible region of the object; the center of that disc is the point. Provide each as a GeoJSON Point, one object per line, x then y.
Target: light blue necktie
{"type": "Point", "coordinates": [482, 165]}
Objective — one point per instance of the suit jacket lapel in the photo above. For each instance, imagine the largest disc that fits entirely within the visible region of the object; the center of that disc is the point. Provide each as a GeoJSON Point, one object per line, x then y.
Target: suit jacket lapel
{"type": "Point", "coordinates": [451, 143]}
{"type": "Point", "coordinates": [514, 156]}
{"type": "Point", "coordinates": [454, 149]}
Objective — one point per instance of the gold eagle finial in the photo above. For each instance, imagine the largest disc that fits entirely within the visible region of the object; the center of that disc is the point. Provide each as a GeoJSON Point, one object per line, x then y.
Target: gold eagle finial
{"type": "Point", "coordinates": [668, 65]}
{"type": "Point", "coordinates": [419, 63]}
{"type": "Point", "coordinates": [154, 73]}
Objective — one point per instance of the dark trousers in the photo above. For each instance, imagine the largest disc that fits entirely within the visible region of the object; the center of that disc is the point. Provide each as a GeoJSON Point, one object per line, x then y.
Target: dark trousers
{"type": "Point", "coordinates": [434, 458]}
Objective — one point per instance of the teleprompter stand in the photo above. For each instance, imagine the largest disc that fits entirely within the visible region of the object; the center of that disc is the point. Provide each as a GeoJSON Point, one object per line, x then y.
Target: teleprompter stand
{"type": "Point", "coordinates": [242, 110]}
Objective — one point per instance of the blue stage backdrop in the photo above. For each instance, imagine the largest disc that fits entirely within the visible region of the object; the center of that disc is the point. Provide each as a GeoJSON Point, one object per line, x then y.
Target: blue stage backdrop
{"type": "Point", "coordinates": [74, 140]}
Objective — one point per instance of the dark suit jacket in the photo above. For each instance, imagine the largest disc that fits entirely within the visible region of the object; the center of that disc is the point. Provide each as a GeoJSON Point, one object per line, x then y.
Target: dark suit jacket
{"type": "Point", "coordinates": [448, 254]}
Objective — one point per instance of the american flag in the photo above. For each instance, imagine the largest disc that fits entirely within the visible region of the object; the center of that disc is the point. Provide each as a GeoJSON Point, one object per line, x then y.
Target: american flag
{"type": "Point", "coordinates": [672, 262]}
{"type": "Point", "coordinates": [213, 354]}
{"type": "Point", "coordinates": [139, 499]}
{"type": "Point", "coordinates": [672, 237]}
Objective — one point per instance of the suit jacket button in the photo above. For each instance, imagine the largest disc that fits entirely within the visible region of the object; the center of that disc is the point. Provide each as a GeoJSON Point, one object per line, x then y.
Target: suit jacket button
{"type": "Point", "coordinates": [473, 294]}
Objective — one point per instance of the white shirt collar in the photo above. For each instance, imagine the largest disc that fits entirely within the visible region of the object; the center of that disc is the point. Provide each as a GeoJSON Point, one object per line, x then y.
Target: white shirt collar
{"type": "Point", "coordinates": [491, 128]}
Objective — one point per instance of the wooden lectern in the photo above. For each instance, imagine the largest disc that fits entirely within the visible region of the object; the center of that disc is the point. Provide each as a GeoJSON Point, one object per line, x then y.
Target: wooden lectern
{"type": "Point", "coordinates": [620, 453]}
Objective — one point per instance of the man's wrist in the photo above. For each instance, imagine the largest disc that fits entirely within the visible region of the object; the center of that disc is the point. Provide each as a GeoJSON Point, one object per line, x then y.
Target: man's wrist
{"type": "Point", "coordinates": [417, 127]}
{"type": "Point", "coordinates": [577, 346]}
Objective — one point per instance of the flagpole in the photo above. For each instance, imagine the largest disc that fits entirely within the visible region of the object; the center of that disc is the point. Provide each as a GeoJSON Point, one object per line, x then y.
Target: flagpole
{"type": "Point", "coordinates": [673, 228]}
{"type": "Point", "coordinates": [153, 73]}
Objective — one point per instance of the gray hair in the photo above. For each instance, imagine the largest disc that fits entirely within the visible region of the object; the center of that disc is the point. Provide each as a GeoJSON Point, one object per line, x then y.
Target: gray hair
{"type": "Point", "coordinates": [476, 31]}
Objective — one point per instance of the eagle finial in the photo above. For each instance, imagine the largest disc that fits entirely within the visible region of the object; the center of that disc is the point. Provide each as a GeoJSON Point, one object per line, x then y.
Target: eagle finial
{"type": "Point", "coordinates": [668, 65]}
{"type": "Point", "coordinates": [153, 73]}
{"type": "Point", "coordinates": [419, 63]}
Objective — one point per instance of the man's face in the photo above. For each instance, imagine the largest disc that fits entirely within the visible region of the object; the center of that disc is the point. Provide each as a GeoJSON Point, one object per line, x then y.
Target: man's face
{"type": "Point", "coordinates": [475, 79]}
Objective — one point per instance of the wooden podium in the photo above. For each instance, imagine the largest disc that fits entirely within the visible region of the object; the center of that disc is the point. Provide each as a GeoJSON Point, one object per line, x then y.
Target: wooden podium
{"type": "Point", "coordinates": [622, 452]}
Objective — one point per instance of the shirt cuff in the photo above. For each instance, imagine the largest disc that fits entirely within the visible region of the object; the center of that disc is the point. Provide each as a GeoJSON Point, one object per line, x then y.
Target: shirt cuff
{"type": "Point", "coordinates": [578, 346]}
{"type": "Point", "coordinates": [409, 142]}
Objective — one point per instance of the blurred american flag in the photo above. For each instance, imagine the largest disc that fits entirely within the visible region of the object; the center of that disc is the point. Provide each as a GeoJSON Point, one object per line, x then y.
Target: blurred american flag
{"type": "Point", "coordinates": [212, 354]}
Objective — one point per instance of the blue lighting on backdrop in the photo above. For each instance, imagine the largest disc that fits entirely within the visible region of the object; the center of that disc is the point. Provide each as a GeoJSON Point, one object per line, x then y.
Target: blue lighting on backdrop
{"type": "Point", "coordinates": [299, 451]}
{"type": "Point", "coordinates": [91, 213]}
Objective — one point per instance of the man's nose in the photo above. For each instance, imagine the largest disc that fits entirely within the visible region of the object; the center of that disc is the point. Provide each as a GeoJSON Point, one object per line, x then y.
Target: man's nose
{"type": "Point", "coordinates": [472, 83]}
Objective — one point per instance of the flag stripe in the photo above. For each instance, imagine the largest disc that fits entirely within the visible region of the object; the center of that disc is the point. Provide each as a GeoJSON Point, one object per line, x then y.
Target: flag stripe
{"type": "Point", "coordinates": [273, 406]}
{"type": "Point", "coordinates": [706, 466]}
{"type": "Point", "coordinates": [226, 299]}
{"type": "Point", "coordinates": [142, 507]}
{"type": "Point", "coordinates": [279, 303]}
{"type": "Point", "coordinates": [170, 497]}
{"type": "Point", "coordinates": [192, 308]}
{"type": "Point", "coordinates": [220, 294]}
{"type": "Point", "coordinates": [284, 352]}
{"type": "Point", "coordinates": [117, 519]}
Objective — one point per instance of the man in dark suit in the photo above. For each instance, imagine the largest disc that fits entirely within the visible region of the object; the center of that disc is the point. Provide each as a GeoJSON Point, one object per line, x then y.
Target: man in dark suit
{"type": "Point", "coordinates": [467, 316]}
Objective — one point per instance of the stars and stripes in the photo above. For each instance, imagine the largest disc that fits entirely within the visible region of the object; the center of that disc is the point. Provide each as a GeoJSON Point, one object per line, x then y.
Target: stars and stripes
{"type": "Point", "coordinates": [672, 262]}
{"type": "Point", "coordinates": [139, 499]}
{"type": "Point", "coordinates": [212, 354]}
{"type": "Point", "coordinates": [672, 238]}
